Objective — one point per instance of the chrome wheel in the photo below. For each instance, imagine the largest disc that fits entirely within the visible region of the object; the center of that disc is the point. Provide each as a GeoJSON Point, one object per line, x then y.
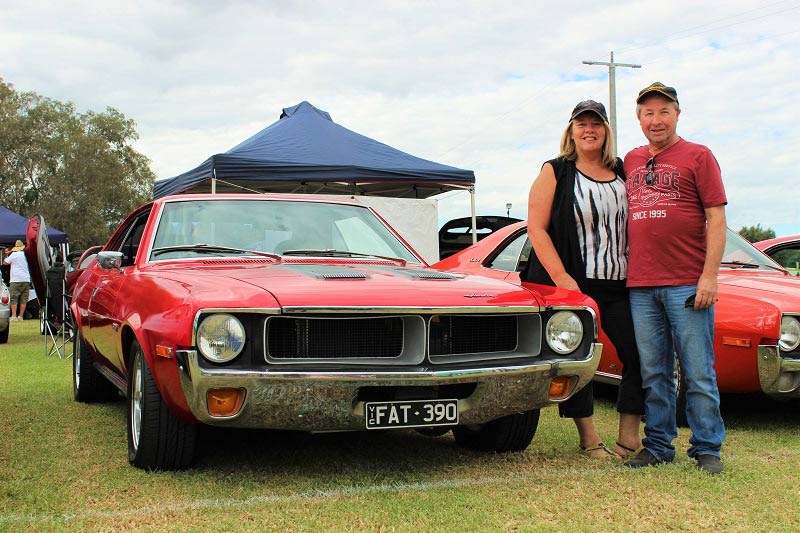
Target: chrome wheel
{"type": "Point", "coordinates": [76, 363]}
{"type": "Point", "coordinates": [136, 403]}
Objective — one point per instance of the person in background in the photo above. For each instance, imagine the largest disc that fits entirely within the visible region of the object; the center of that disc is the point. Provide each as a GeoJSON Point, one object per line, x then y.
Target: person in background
{"type": "Point", "coordinates": [20, 280]}
{"type": "Point", "coordinates": [577, 215]}
{"type": "Point", "coordinates": [676, 229]}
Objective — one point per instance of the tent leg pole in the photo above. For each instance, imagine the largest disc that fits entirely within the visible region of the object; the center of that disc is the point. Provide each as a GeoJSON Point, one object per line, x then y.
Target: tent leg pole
{"type": "Point", "coordinates": [474, 221]}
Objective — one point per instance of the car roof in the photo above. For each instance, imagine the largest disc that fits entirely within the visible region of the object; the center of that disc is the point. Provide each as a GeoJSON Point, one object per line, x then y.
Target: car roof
{"type": "Point", "coordinates": [768, 243]}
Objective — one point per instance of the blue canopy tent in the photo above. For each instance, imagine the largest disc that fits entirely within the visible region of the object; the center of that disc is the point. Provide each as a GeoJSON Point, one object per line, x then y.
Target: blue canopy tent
{"type": "Point", "coordinates": [306, 152]}
{"type": "Point", "coordinates": [13, 227]}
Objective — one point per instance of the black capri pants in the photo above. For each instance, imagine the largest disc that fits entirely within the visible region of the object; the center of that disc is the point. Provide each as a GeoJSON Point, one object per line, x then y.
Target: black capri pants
{"type": "Point", "coordinates": [611, 297]}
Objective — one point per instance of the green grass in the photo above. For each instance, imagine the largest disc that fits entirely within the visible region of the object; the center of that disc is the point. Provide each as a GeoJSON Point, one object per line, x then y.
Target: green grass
{"type": "Point", "coordinates": [63, 466]}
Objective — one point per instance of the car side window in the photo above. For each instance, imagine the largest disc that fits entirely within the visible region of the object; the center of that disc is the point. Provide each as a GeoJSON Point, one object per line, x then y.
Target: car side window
{"type": "Point", "coordinates": [789, 258]}
{"type": "Point", "coordinates": [130, 244]}
{"type": "Point", "coordinates": [513, 256]}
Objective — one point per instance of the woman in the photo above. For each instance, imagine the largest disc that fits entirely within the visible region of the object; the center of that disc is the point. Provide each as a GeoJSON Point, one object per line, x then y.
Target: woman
{"type": "Point", "coordinates": [577, 225]}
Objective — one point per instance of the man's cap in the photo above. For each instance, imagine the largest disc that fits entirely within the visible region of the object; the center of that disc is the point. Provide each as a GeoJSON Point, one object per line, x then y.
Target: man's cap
{"type": "Point", "coordinates": [18, 246]}
{"type": "Point", "coordinates": [659, 88]}
{"type": "Point", "coordinates": [590, 106]}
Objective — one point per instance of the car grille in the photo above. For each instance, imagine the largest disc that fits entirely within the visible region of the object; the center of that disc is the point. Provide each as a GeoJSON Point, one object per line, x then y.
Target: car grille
{"type": "Point", "coordinates": [467, 334]}
{"type": "Point", "coordinates": [323, 338]}
{"type": "Point", "coordinates": [408, 339]}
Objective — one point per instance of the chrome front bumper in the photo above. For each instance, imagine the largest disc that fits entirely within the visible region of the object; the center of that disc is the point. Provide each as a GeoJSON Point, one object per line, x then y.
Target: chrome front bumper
{"type": "Point", "coordinates": [327, 401]}
{"type": "Point", "coordinates": [779, 377]}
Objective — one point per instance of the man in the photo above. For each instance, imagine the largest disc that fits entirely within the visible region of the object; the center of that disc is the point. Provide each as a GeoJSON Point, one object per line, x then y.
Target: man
{"type": "Point", "coordinates": [20, 280]}
{"type": "Point", "coordinates": [676, 237]}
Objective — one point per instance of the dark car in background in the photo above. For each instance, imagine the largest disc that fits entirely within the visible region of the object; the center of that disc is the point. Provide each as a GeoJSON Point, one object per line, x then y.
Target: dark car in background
{"type": "Point", "coordinates": [456, 234]}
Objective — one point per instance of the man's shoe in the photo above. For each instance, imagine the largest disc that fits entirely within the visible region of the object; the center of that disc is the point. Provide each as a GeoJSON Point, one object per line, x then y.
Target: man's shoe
{"type": "Point", "coordinates": [642, 459]}
{"type": "Point", "coordinates": [709, 463]}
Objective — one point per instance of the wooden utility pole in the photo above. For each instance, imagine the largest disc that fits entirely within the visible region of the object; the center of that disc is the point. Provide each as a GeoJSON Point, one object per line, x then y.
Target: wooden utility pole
{"type": "Point", "coordinates": [612, 90]}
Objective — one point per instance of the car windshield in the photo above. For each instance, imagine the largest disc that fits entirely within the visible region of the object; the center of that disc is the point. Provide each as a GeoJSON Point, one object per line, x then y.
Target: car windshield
{"type": "Point", "coordinates": [206, 227]}
{"type": "Point", "coordinates": [739, 253]}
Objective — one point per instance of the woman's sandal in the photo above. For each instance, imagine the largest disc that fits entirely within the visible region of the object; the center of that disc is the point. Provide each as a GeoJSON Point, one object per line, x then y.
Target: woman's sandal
{"type": "Point", "coordinates": [606, 452]}
{"type": "Point", "coordinates": [628, 451]}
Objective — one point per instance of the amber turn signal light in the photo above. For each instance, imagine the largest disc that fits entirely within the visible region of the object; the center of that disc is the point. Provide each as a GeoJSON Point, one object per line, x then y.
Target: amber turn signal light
{"type": "Point", "coordinates": [734, 341]}
{"type": "Point", "coordinates": [164, 351]}
{"type": "Point", "coordinates": [224, 402]}
{"type": "Point", "coordinates": [560, 387]}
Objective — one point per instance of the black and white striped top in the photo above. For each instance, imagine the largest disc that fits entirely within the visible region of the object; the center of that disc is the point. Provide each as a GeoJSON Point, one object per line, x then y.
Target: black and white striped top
{"type": "Point", "coordinates": [601, 212]}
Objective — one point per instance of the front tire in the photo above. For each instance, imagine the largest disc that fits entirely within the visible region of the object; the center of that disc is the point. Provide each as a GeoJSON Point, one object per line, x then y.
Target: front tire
{"type": "Point", "coordinates": [157, 440]}
{"type": "Point", "coordinates": [511, 433]}
{"type": "Point", "coordinates": [88, 384]}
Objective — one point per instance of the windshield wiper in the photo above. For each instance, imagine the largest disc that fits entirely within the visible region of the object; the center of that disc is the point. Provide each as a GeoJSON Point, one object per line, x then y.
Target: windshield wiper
{"type": "Point", "coordinates": [203, 248]}
{"type": "Point", "coordinates": [743, 264]}
{"type": "Point", "coordinates": [344, 253]}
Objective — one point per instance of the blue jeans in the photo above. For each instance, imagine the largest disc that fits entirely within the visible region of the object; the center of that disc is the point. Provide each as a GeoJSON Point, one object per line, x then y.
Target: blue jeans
{"type": "Point", "coordinates": [663, 327]}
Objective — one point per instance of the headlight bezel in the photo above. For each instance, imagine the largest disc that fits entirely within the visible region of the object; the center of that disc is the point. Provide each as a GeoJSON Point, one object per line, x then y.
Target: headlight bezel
{"type": "Point", "coordinates": [560, 322]}
{"type": "Point", "coordinates": [230, 337]}
{"type": "Point", "coordinates": [789, 339]}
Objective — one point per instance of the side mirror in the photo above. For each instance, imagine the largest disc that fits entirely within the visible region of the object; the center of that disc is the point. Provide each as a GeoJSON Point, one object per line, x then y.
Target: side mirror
{"type": "Point", "coordinates": [110, 260]}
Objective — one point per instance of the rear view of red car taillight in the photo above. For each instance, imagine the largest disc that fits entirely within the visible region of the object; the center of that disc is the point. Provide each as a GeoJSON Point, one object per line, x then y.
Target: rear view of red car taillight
{"type": "Point", "coordinates": [4, 297]}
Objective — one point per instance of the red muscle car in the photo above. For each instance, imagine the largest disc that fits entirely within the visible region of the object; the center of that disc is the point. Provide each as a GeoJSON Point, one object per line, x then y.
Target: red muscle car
{"type": "Point", "coordinates": [783, 250]}
{"type": "Point", "coordinates": [308, 313]}
{"type": "Point", "coordinates": [756, 325]}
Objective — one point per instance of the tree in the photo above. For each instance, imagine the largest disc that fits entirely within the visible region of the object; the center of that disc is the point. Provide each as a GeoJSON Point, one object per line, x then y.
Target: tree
{"type": "Point", "coordinates": [756, 233]}
{"type": "Point", "coordinates": [78, 170]}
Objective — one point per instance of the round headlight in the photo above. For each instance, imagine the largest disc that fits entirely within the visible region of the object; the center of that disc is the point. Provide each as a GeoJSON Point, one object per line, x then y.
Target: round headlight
{"type": "Point", "coordinates": [220, 338]}
{"type": "Point", "coordinates": [564, 332]}
{"type": "Point", "coordinates": [790, 334]}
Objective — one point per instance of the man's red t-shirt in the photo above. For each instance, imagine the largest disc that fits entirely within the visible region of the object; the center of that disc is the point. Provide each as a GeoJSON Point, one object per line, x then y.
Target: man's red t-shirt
{"type": "Point", "coordinates": [666, 220]}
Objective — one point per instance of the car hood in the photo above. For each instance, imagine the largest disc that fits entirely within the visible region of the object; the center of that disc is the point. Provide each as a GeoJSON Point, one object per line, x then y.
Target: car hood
{"type": "Point", "coordinates": [357, 285]}
{"type": "Point", "coordinates": [775, 288]}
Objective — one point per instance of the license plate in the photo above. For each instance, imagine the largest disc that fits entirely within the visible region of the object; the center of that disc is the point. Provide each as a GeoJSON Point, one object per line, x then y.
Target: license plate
{"type": "Point", "coordinates": [411, 414]}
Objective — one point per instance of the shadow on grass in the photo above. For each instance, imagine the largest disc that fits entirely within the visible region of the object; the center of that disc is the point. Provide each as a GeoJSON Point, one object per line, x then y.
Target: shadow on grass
{"type": "Point", "coordinates": [352, 453]}
{"type": "Point", "coordinates": [756, 411]}
{"type": "Point", "coordinates": [740, 411]}
{"type": "Point", "coordinates": [396, 455]}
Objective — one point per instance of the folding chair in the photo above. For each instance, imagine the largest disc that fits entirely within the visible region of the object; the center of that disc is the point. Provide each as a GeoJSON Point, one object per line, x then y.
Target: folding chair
{"type": "Point", "coordinates": [58, 326]}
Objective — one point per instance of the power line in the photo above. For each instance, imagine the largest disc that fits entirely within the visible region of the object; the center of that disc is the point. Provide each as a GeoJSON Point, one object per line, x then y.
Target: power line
{"type": "Point", "coordinates": [516, 107]}
{"type": "Point", "coordinates": [727, 46]}
{"type": "Point", "coordinates": [680, 34]}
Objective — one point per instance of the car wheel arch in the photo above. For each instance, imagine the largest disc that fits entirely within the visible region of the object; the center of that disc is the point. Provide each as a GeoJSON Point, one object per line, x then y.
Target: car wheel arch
{"type": "Point", "coordinates": [127, 337]}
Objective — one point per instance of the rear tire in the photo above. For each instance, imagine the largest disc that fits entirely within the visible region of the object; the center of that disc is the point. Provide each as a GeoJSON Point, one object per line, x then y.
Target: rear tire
{"type": "Point", "coordinates": [157, 440]}
{"type": "Point", "coordinates": [511, 433]}
{"type": "Point", "coordinates": [88, 384]}
{"type": "Point", "coordinates": [4, 335]}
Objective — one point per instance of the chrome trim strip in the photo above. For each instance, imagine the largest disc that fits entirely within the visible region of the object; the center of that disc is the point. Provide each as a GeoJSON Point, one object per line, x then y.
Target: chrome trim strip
{"type": "Point", "coordinates": [115, 380]}
{"type": "Point", "coordinates": [411, 310]}
{"type": "Point", "coordinates": [605, 377]}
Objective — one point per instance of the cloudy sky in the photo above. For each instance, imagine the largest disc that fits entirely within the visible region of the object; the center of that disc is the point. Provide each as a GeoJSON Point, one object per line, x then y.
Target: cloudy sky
{"type": "Point", "coordinates": [481, 85]}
